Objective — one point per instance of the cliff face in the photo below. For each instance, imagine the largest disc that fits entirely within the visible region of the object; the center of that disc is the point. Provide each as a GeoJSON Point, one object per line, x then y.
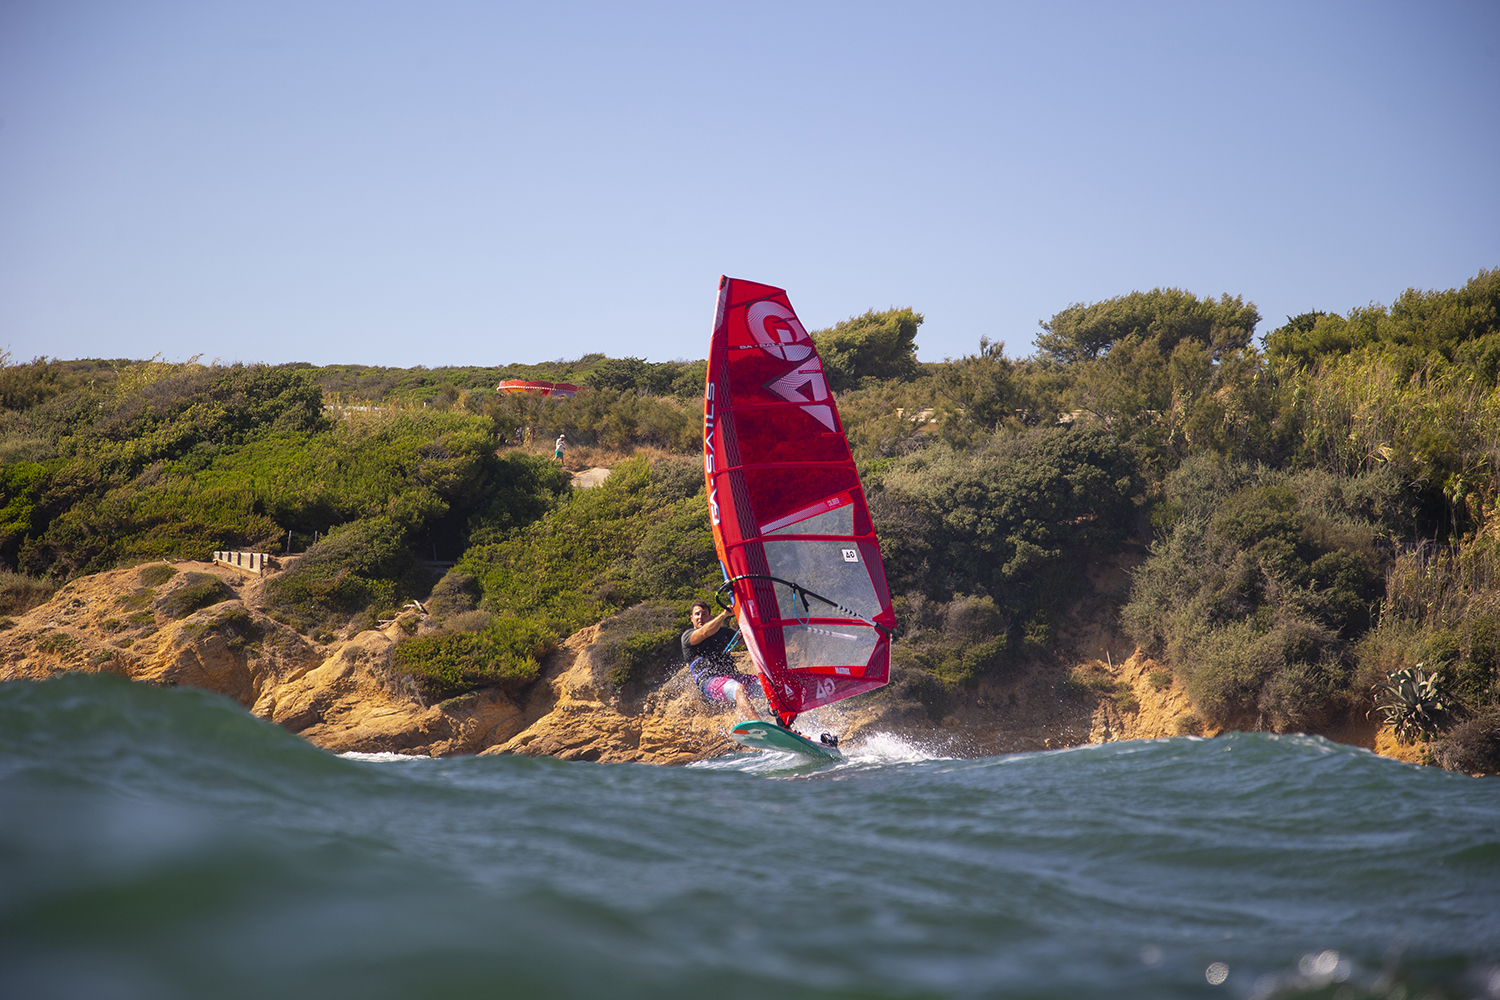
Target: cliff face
{"type": "Point", "coordinates": [344, 696]}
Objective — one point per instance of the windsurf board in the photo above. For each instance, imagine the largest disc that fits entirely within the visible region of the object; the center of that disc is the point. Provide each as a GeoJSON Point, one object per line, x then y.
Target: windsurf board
{"type": "Point", "coordinates": [769, 736]}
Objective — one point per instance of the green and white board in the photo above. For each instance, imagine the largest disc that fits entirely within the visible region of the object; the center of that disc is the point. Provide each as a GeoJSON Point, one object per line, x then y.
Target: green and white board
{"type": "Point", "coordinates": [770, 736]}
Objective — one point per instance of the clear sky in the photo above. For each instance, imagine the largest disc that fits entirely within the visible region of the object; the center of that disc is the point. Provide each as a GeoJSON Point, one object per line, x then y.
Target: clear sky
{"type": "Point", "coordinates": [450, 183]}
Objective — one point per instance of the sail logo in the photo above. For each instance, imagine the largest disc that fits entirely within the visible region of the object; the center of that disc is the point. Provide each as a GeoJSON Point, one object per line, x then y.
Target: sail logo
{"type": "Point", "coordinates": [708, 453]}
{"type": "Point", "coordinates": [825, 689]}
{"type": "Point", "coordinates": [778, 331]}
{"type": "Point", "coordinates": [806, 384]}
{"type": "Point", "coordinates": [851, 555]}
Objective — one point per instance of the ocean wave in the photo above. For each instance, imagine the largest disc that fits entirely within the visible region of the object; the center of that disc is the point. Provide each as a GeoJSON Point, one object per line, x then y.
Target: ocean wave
{"type": "Point", "coordinates": [164, 843]}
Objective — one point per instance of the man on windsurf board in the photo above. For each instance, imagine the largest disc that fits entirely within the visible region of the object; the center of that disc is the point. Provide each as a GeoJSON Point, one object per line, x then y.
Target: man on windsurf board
{"type": "Point", "coordinates": [705, 649]}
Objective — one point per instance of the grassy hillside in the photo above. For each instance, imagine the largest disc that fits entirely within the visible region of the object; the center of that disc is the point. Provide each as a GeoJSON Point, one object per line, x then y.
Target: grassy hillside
{"type": "Point", "coordinates": [1320, 510]}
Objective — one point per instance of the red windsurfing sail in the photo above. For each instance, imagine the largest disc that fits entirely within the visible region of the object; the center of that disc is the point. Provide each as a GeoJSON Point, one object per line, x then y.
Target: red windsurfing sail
{"type": "Point", "coordinates": [789, 516]}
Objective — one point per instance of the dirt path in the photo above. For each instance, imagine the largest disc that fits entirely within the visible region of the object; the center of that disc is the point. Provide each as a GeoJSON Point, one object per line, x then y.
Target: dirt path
{"type": "Point", "coordinates": [589, 478]}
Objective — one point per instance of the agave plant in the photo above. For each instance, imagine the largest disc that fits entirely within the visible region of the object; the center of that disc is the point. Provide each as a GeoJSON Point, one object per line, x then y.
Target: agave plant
{"type": "Point", "coordinates": [1411, 702]}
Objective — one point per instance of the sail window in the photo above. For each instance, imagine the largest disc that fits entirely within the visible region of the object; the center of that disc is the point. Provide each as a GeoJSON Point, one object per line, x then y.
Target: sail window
{"type": "Point", "coordinates": [816, 520]}
{"type": "Point", "coordinates": [828, 645]}
{"type": "Point", "coordinates": [820, 567]}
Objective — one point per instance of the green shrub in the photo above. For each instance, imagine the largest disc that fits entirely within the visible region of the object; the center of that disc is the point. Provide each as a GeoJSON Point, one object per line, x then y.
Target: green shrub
{"type": "Point", "coordinates": [456, 593]}
{"type": "Point", "coordinates": [360, 572]}
{"type": "Point", "coordinates": [875, 346]}
{"type": "Point", "coordinates": [674, 479]}
{"type": "Point", "coordinates": [373, 462]}
{"type": "Point", "coordinates": [198, 590]}
{"type": "Point", "coordinates": [584, 561]}
{"type": "Point", "coordinates": [178, 460]}
{"type": "Point", "coordinates": [468, 621]}
{"type": "Point", "coordinates": [915, 691]}
{"type": "Point", "coordinates": [675, 557]}
{"type": "Point", "coordinates": [238, 627]}
{"type": "Point", "coordinates": [1260, 591]}
{"type": "Point", "coordinates": [59, 643]}
{"type": "Point", "coordinates": [1036, 632]}
{"type": "Point", "coordinates": [157, 574]}
{"type": "Point", "coordinates": [1232, 666]}
{"type": "Point", "coordinates": [22, 485]}
{"type": "Point", "coordinates": [504, 655]}
{"type": "Point", "coordinates": [639, 653]}
{"type": "Point", "coordinates": [991, 520]}
{"type": "Point", "coordinates": [1160, 679]}
{"type": "Point", "coordinates": [1472, 746]}
{"type": "Point", "coordinates": [973, 619]}
{"type": "Point", "coordinates": [20, 593]}
{"type": "Point", "coordinates": [955, 663]}
{"type": "Point", "coordinates": [625, 419]}
{"type": "Point", "coordinates": [136, 600]}
{"type": "Point", "coordinates": [1189, 725]}
{"type": "Point", "coordinates": [1395, 643]}
{"type": "Point", "coordinates": [157, 515]}
{"type": "Point", "coordinates": [955, 642]}
{"type": "Point", "coordinates": [640, 643]}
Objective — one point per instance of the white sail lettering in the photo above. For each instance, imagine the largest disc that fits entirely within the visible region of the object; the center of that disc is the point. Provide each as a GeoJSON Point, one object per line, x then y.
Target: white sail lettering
{"type": "Point", "coordinates": [778, 331]}
{"type": "Point", "coordinates": [806, 384]}
{"type": "Point", "coordinates": [708, 453]}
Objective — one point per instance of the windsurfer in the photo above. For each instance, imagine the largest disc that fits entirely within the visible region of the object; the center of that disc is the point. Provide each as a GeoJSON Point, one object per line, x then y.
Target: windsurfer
{"type": "Point", "coordinates": [705, 649]}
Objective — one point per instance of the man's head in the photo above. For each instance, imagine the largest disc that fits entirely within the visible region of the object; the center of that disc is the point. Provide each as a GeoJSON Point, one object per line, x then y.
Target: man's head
{"type": "Point", "coordinates": [702, 612]}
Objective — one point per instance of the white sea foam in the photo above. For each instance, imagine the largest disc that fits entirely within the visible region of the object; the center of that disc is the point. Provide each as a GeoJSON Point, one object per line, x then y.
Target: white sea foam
{"type": "Point", "coordinates": [888, 748]}
{"type": "Point", "coordinates": [383, 757]}
{"type": "Point", "coordinates": [872, 748]}
{"type": "Point", "coordinates": [759, 762]}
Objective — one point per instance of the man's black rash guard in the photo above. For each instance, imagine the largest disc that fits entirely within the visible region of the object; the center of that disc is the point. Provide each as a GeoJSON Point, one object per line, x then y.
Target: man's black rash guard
{"type": "Point", "coordinates": [708, 658]}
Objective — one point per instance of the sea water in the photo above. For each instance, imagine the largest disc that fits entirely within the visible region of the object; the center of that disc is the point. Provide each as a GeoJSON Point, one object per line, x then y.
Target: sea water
{"type": "Point", "coordinates": [163, 844]}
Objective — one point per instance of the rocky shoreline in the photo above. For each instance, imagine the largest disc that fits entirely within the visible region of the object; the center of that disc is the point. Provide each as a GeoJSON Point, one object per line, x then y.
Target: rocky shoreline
{"type": "Point", "coordinates": [343, 695]}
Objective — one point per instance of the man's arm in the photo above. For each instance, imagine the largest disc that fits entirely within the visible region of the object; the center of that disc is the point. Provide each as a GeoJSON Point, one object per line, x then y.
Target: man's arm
{"type": "Point", "coordinates": [708, 628]}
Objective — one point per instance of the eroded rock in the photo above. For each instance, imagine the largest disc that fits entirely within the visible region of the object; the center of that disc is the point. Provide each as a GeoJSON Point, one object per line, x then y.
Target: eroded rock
{"type": "Point", "coordinates": [345, 695]}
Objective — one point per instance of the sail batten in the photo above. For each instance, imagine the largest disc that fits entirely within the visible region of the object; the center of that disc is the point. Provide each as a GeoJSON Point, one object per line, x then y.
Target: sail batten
{"type": "Point", "coordinates": [790, 521]}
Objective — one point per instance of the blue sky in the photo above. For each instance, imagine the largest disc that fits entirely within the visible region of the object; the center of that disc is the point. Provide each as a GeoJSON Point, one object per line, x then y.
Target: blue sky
{"type": "Point", "coordinates": [480, 183]}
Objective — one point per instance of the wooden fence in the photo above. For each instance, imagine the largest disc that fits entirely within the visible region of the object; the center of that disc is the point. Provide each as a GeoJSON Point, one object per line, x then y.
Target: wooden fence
{"type": "Point", "coordinates": [254, 562]}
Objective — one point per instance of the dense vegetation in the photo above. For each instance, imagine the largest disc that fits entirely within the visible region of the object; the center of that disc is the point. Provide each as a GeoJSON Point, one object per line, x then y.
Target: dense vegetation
{"type": "Point", "coordinates": [641, 537]}
{"type": "Point", "coordinates": [1318, 512]}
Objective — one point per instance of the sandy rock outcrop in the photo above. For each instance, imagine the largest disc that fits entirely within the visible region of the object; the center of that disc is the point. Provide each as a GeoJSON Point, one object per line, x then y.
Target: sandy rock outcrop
{"type": "Point", "coordinates": [1387, 745]}
{"type": "Point", "coordinates": [1161, 706]}
{"type": "Point", "coordinates": [200, 624]}
{"type": "Point", "coordinates": [343, 695]}
{"type": "Point", "coordinates": [142, 624]}
{"type": "Point", "coordinates": [575, 713]}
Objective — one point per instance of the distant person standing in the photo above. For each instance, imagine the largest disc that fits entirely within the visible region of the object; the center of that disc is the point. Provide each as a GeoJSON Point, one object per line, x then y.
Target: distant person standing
{"type": "Point", "coordinates": [562, 439]}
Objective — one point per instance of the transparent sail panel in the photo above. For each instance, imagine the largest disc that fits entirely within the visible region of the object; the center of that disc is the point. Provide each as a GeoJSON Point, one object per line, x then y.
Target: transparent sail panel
{"type": "Point", "coordinates": [828, 645]}
{"type": "Point", "coordinates": [834, 569]}
{"type": "Point", "coordinates": [839, 521]}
